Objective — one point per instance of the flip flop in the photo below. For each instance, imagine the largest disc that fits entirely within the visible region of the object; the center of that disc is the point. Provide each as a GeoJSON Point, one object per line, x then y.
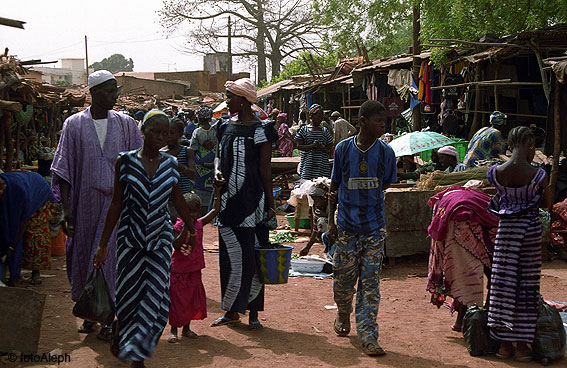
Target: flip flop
{"type": "Point", "coordinates": [457, 329]}
{"type": "Point", "coordinates": [225, 321]}
{"type": "Point", "coordinates": [255, 325]}
{"type": "Point", "coordinates": [341, 329]}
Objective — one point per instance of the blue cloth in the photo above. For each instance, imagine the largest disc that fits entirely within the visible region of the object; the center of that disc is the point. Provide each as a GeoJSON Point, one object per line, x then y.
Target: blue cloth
{"type": "Point", "coordinates": [189, 128]}
{"type": "Point", "coordinates": [25, 193]}
{"type": "Point", "coordinates": [360, 176]}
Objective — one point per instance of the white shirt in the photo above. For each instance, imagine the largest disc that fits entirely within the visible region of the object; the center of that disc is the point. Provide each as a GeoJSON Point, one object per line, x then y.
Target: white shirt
{"type": "Point", "coordinates": [101, 125]}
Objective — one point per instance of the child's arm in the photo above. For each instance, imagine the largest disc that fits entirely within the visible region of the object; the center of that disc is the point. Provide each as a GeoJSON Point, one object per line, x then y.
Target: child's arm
{"type": "Point", "coordinates": [546, 200]}
{"type": "Point", "coordinates": [183, 211]}
{"type": "Point", "coordinates": [180, 238]}
{"type": "Point", "coordinates": [216, 207]}
{"type": "Point", "coordinates": [332, 230]}
{"type": "Point", "coordinates": [189, 170]}
{"type": "Point", "coordinates": [312, 238]}
{"type": "Point", "coordinates": [112, 216]}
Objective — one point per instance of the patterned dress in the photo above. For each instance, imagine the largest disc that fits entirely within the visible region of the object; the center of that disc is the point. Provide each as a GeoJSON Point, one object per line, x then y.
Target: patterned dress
{"type": "Point", "coordinates": [143, 255]}
{"type": "Point", "coordinates": [204, 162]}
{"type": "Point", "coordinates": [241, 213]}
{"type": "Point", "coordinates": [314, 163]}
{"type": "Point", "coordinates": [485, 144]}
{"type": "Point", "coordinates": [516, 265]}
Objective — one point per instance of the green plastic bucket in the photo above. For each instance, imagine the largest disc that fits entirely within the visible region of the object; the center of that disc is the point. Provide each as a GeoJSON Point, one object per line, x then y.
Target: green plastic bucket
{"type": "Point", "coordinates": [274, 264]}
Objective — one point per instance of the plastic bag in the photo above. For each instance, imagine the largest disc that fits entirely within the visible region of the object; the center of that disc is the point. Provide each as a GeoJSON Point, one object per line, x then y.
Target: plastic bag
{"type": "Point", "coordinates": [476, 333]}
{"type": "Point", "coordinates": [95, 303]}
{"type": "Point", "coordinates": [550, 339]}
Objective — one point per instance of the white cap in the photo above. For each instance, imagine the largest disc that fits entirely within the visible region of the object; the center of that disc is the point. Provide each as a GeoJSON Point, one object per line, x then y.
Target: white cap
{"type": "Point", "coordinates": [99, 77]}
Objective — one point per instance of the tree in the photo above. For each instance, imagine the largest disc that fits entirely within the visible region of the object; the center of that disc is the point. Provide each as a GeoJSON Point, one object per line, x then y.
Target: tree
{"type": "Point", "coordinates": [275, 30]}
{"type": "Point", "coordinates": [114, 63]}
{"type": "Point", "coordinates": [382, 26]}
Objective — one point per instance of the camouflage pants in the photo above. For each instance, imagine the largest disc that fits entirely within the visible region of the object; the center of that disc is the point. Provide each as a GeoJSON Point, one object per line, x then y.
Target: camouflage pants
{"type": "Point", "coordinates": [358, 258]}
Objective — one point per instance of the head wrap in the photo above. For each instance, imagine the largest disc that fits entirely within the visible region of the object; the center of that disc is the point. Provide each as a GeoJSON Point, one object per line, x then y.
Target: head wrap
{"type": "Point", "coordinates": [315, 108]}
{"type": "Point", "coordinates": [450, 151]}
{"type": "Point", "coordinates": [139, 115]}
{"type": "Point", "coordinates": [317, 192]}
{"type": "Point", "coordinates": [243, 87]}
{"type": "Point", "coordinates": [204, 113]}
{"type": "Point", "coordinates": [336, 114]}
{"type": "Point", "coordinates": [282, 115]}
{"type": "Point", "coordinates": [150, 114]}
{"type": "Point", "coordinates": [99, 77]}
{"type": "Point", "coordinates": [497, 118]}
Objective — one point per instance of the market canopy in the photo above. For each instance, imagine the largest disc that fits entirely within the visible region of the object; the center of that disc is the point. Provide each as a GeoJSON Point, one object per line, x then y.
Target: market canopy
{"type": "Point", "coordinates": [416, 142]}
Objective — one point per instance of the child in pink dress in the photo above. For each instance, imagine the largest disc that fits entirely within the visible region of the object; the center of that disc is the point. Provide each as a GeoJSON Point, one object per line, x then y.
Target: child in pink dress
{"type": "Point", "coordinates": [187, 293]}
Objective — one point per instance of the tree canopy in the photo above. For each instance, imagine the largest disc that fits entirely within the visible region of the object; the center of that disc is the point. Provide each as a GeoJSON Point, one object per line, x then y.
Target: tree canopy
{"type": "Point", "coordinates": [274, 31]}
{"type": "Point", "coordinates": [114, 63]}
{"type": "Point", "coordinates": [384, 26]}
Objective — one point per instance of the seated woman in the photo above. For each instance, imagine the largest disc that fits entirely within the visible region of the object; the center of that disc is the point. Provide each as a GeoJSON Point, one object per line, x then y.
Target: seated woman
{"type": "Point", "coordinates": [462, 240]}
{"type": "Point", "coordinates": [449, 160]}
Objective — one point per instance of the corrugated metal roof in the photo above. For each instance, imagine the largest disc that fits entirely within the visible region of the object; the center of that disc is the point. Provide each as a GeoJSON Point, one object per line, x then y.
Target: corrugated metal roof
{"type": "Point", "coordinates": [273, 88]}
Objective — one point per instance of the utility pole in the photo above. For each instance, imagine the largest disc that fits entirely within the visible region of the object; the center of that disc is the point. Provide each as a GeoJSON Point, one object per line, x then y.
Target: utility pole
{"type": "Point", "coordinates": [229, 67]}
{"type": "Point", "coordinates": [86, 61]}
{"type": "Point", "coordinates": [416, 113]}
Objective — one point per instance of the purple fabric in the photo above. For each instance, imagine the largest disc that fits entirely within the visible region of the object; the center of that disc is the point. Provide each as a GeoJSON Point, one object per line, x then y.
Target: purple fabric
{"type": "Point", "coordinates": [513, 200]}
{"type": "Point", "coordinates": [80, 161]}
{"type": "Point", "coordinates": [459, 204]}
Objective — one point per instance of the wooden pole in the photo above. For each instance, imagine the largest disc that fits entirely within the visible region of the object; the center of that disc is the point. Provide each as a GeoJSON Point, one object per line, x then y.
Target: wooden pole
{"type": "Point", "coordinates": [496, 98]}
{"type": "Point", "coordinates": [229, 66]}
{"type": "Point", "coordinates": [556, 141]}
{"type": "Point", "coordinates": [86, 61]}
{"type": "Point", "coordinates": [416, 63]}
{"type": "Point", "coordinates": [477, 102]}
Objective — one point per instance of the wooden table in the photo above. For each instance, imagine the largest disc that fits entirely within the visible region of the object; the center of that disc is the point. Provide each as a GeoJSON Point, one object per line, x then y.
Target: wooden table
{"type": "Point", "coordinates": [284, 164]}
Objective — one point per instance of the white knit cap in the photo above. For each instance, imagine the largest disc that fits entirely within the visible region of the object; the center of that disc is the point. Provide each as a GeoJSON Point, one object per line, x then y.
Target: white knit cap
{"type": "Point", "coordinates": [99, 77]}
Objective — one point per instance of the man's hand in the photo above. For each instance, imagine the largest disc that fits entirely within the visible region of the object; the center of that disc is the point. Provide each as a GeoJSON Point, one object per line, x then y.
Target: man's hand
{"type": "Point", "coordinates": [99, 256]}
{"type": "Point", "coordinates": [68, 225]}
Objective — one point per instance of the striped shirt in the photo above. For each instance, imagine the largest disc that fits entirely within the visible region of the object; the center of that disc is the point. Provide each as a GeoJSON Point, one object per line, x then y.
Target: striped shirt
{"type": "Point", "coordinates": [360, 175]}
{"type": "Point", "coordinates": [185, 183]}
{"type": "Point", "coordinates": [314, 163]}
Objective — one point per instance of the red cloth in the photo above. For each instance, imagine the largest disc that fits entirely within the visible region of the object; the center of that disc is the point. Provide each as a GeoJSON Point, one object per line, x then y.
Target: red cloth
{"type": "Point", "coordinates": [459, 204]}
{"type": "Point", "coordinates": [187, 293]}
{"type": "Point", "coordinates": [188, 298]}
{"type": "Point", "coordinates": [195, 261]}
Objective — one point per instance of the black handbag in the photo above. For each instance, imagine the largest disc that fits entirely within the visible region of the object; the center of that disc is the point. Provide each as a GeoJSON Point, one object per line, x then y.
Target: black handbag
{"type": "Point", "coordinates": [95, 303]}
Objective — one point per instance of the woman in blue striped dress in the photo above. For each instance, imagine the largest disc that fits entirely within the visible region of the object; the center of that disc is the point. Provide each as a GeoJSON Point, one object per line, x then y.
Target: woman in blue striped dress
{"type": "Point", "coordinates": [516, 265]}
{"type": "Point", "coordinates": [245, 147]}
{"type": "Point", "coordinates": [144, 181]}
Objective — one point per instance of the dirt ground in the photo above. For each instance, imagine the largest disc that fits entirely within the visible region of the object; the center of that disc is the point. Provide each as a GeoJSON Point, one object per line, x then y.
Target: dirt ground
{"type": "Point", "coordinates": [297, 325]}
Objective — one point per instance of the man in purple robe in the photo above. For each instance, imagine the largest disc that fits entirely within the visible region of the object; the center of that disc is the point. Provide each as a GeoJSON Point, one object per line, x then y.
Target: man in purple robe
{"type": "Point", "coordinates": [83, 179]}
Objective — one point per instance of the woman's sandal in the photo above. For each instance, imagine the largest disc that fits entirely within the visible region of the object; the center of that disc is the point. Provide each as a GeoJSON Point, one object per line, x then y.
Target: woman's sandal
{"type": "Point", "coordinates": [225, 321]}
{"type": "Point", "coordinates": [172, 339]}
{"type": "Point", "coordinates": [105, 334]}
{"type": "Point", "coordinates": [189, 334]}
{"type": "Point", "coordinates": [371, 347]}
{"type": "Point", "coordinates": [342, 329]}
{"type": "Point", "coordinates": [525, 357]}
{"type": "Point", "coordinates": [87, 327]}
{"type": "Point", "coordinates": [255, 325]}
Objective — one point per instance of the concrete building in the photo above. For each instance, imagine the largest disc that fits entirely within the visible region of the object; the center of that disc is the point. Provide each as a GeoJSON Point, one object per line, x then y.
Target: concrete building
{"type": "Point", "coordinates": [161, 88]}
{"type": "Point", "coordinates": [72, 72]}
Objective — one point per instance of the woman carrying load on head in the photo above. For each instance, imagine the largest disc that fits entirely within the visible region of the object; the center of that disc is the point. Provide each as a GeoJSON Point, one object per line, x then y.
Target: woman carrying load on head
{"type": "Point", "coordinates": [244, 154]}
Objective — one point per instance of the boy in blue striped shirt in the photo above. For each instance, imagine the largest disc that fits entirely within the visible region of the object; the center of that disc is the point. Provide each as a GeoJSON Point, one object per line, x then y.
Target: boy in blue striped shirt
{"type": "Point", "coordinates": [364, 166]}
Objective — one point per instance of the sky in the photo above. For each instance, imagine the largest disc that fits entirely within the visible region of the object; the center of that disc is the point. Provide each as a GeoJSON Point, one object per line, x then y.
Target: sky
{"type": "Point", "coordinates": [56, 29]}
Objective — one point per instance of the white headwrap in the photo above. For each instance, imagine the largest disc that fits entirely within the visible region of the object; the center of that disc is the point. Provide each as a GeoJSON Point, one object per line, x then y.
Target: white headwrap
{"type": "Point", "coordinates": [243, 87]}
{"type": "Point", "coordinates": [99, 77]}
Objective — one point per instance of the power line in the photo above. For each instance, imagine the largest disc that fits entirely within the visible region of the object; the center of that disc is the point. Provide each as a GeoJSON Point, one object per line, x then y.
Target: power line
{"type": "Point", "coordinates": [52, 51]}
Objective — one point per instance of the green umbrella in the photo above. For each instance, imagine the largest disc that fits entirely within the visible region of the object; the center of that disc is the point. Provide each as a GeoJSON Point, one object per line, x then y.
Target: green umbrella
{"type": "Point", "coordinates": [416, 142]}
